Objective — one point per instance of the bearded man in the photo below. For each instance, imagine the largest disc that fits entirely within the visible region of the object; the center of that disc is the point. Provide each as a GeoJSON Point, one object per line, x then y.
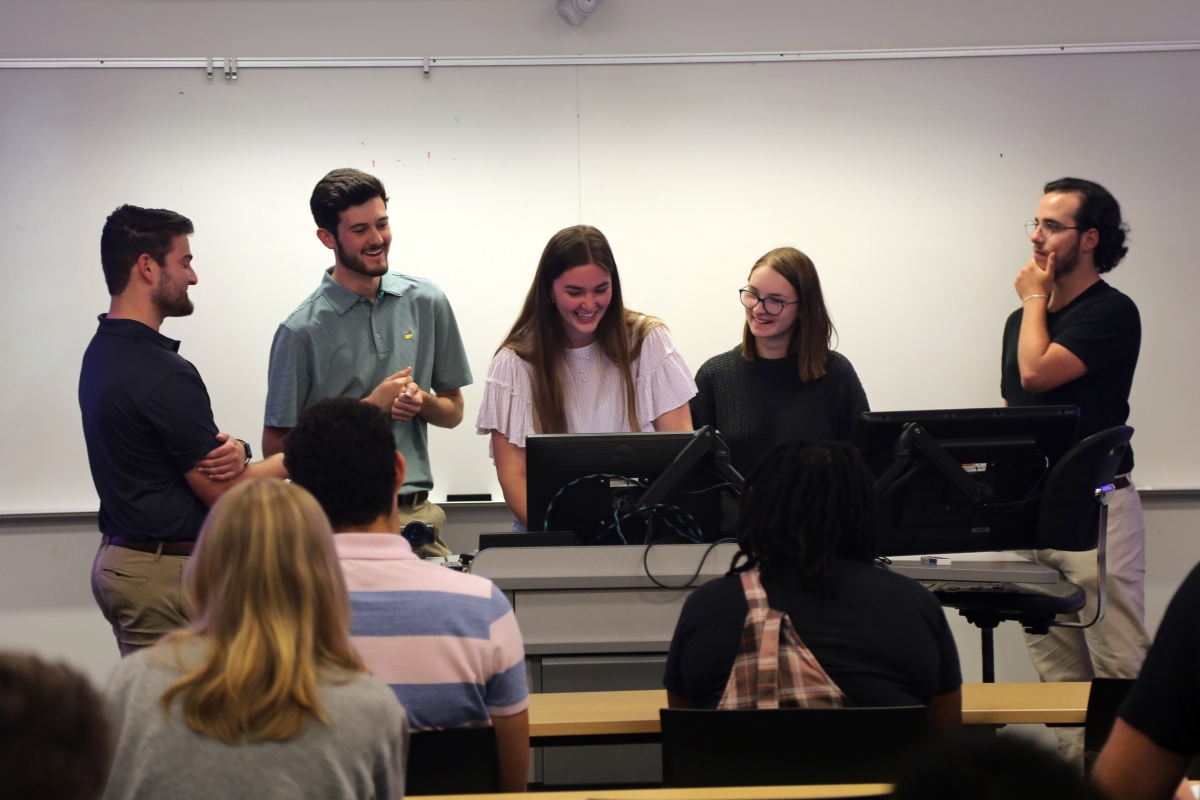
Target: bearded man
{"type": "Point", "coordinates": [377, 336]}
{"type": "Point", "coordinates": [157, 459]}
{"type": "Point", "coordinates": [1075, 341]}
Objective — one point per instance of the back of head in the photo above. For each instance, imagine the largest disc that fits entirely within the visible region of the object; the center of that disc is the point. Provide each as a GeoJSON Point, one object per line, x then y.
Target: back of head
{"type": "Point", "coordinates": [130, 232]}
{"type": "Point", "coordinates": [1100, 210]}
{"type": "Point", "coordinates": [55, 741]}
{"type": "Point", "coordinates": [990, 767]}
{"type": "Point", "coordinates": [814, 329]}
{"type": "Point", "coordinates": [343, 451]}
{"type": "Point", "coordinates": [339, 190]}
{"type": "Point", "coordinates": [805, 504]}
{"type": "Point", "coordinates": [271, 606]}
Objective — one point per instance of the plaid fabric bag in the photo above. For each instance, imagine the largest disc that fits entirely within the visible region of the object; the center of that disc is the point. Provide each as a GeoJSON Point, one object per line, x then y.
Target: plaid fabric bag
{"type": "Point", "coordinates": [773, 668]}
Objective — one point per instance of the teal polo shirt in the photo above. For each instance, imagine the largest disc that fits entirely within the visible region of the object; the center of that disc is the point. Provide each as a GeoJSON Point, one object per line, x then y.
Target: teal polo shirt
{"type": "Point", "coordinates": [339, 344]}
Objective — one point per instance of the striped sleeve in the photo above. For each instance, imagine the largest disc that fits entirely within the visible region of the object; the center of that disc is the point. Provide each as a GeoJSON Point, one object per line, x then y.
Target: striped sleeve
{"type": "Point", "coordinates": [507, 690]}
{"type": "Point", "coordinates": [507, 405]}
{"type": "Point", "coordinates": [664, 381]}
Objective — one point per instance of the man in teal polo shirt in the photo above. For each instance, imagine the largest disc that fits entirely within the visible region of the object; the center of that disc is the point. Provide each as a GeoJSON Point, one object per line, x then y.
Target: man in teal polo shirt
{"type": "Point", "coordinates": [378, 336]}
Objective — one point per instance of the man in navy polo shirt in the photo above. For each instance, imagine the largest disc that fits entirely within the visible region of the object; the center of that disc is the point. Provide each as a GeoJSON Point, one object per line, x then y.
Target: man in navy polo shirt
{"type": "Point", "coordinates": [157, 458]}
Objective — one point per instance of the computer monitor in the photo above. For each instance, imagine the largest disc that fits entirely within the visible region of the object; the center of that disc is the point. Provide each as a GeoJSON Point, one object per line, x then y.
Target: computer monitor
{"type": "Point", "coordinates": [1005, 454]}
{"type": "Point", "coordinates": [588, 482]}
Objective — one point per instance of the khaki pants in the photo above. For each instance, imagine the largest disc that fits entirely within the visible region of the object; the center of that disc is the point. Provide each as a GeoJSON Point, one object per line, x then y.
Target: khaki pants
{"type": "Point", "coordinates": [140, 594]}
{"type": "Point", "coordinates": [1116, 646]}
{"type": "Point", "coordinates": [433, 516]}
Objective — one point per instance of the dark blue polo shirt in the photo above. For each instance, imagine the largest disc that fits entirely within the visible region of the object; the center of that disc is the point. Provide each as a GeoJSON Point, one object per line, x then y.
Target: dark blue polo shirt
{"type": "Point", "coordinates": [147, 420]}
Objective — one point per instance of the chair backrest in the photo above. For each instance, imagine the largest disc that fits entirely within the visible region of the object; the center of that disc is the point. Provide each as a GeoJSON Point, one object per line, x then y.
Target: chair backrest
{"type": "Point", "coordinates": [1104, 700]}
{"type": "Point", "coordinates": [785, 747]}
{"type": "Point", "coordinates": [453, 761]}
{"type": "Point", "coordinates": [1068, 515]}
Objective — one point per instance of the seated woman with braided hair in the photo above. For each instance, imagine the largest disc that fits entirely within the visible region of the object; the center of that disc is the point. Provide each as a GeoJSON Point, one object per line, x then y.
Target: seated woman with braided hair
{"type": "Point", "coordinates": [843, 631]}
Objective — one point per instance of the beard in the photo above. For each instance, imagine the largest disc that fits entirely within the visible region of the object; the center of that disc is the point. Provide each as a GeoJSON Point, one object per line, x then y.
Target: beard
{"type": "Point", "coordinates": [356, 264]}
{"type": "Point", "coordinates": [171, 299]}
{"type": "Point", "coordinates": [1069, 262]}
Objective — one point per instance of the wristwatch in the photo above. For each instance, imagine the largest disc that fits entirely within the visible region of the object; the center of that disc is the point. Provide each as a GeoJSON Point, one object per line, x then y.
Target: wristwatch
{"type": "Point", "coordinates": [249, 452]}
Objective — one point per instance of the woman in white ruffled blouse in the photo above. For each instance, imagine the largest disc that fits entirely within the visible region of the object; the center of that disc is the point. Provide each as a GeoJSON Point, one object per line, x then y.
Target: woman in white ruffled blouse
{"type": "Point", "coordinates": [578, 361]}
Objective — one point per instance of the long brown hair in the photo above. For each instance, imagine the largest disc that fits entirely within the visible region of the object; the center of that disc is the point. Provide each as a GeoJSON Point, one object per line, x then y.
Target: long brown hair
{"type": "Point", "coordinates": [538, 337]}
{"type": "Point", "coordinates": [271, 605]}
{"type": "Point", "coordinates": [813, 330]}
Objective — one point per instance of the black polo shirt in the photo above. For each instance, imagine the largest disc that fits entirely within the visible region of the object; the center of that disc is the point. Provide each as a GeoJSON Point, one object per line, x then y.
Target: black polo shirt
{"type": "Point", "coordinates": [1104, 331]}
{"type": "Point", "coordinates": [147, 420]}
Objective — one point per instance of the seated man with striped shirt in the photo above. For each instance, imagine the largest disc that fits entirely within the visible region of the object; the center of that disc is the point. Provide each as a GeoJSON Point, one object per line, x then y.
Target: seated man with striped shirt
{"type": "Point", "coordinates": [446, 642]}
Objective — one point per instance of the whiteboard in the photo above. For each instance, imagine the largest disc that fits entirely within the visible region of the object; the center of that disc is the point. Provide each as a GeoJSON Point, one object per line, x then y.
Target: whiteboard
{"type": "Point", "coordinates": [907, 182]}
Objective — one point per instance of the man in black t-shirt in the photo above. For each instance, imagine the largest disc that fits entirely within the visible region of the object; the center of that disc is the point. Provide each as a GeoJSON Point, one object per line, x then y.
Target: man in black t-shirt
{"type": "Point", "coordinates": [1158, 729]}
{"type": "Point", "coordinates": [156, 457]}
{"type": "Point", "coordinates": [1075, 341]}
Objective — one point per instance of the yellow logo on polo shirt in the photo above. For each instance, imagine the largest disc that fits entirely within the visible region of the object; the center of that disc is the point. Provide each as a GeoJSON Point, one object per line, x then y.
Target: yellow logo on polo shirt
{"type": "Point", "coordinates": [408, 335]}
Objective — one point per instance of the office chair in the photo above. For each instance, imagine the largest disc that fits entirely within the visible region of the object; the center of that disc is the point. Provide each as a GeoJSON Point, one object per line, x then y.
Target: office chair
{"type": "Point", "coordinates": [788, 746]}
{"type": "Point", "coordinates": [453, 761]}
{"type": "Point", "coordinates": [1073, 515]}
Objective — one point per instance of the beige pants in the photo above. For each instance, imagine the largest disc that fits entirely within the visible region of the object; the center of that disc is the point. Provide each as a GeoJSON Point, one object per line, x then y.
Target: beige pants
{"type": "Point", "coordinates": [140, 594]}
{"type": "Point", "coordinates": [1116, 646]}
{"type": "Point", "coordinates": [433, 516]}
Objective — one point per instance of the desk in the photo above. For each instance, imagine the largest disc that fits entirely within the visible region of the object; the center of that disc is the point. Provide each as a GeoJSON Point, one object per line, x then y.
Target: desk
{"type": "Point", "coordinates": [717, 793]}
{"type": "Point", "coordinates": [599, 717]}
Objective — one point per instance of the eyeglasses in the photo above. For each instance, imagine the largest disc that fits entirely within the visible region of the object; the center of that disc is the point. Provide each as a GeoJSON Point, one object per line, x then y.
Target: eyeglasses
{"type": "Point", "coordinates": [770, 304]}
{"type": "Point", "coordinates": [1049, 226]}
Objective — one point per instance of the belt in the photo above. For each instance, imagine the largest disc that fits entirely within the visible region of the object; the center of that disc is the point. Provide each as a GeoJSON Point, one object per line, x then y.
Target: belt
{"type": "Point", "coordinates": [1122, 482]}
{"type": "Point", "coordinates": [414, 499]}
{"type": "Point", "coordinates": [168, 548]}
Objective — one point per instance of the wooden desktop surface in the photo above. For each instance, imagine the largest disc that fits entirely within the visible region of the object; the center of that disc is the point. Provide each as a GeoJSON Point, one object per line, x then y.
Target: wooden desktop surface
{"type": "Point", "coordinates": [609, 713]}
{"type": "Point", "coordinates": [718, 793]}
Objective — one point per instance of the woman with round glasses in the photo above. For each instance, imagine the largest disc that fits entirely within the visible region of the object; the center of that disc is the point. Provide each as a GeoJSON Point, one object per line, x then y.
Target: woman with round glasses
{"type": "Point", "coordinates": [783, 381]}
{"type": "Point", "coordinates": [578, 361]}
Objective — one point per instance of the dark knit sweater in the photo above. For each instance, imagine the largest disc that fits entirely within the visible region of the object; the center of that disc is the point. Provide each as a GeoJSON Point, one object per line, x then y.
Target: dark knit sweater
{"type": "Point", "coordinates": [757, 404]}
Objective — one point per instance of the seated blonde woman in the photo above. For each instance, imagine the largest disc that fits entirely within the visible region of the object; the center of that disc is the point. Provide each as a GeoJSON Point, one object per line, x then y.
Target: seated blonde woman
{"type": "Point", "coordinates": [262, 696]}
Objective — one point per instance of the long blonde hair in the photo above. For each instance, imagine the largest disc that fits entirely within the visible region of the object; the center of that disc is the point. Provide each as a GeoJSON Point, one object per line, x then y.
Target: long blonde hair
{"type": "Point", "coordinates": [538, 337]}
{"type": "Point", "coordinates": [271, 605]}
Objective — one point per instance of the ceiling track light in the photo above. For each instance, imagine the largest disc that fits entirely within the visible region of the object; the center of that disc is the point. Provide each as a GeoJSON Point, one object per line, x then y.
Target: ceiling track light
{"type": "Point", "coordinates": [576, 12]}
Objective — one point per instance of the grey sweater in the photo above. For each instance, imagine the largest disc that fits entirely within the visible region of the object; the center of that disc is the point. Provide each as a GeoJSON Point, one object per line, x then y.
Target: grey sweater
{"type": "Point", "coordinates": [360, 756]}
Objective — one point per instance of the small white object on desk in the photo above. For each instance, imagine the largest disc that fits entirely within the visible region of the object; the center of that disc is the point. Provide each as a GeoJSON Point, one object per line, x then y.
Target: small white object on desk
{"type": "Point", "coordinates": [935, 561]}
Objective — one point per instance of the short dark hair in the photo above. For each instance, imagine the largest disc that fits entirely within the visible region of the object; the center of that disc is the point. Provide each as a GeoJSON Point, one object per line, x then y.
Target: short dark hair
{"type": "Point", "coordinates": [989, 767]}
{"type": "Point", "coordinates": [343, 452]}
{"type": "Point", "coordinates": [1100, 210]}
{"type": "Point", "coordinates": [129, 232]}
{"type": "Point", "coordinates": [55, 740]}
{"type": "Point", "coordinates": [804, 504]}
{"type": "Point", "coordinates": [339, 190]}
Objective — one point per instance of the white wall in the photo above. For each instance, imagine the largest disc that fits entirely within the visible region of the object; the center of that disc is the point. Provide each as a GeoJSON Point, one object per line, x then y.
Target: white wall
{"type": "Point", "coordinates": [67, 28]}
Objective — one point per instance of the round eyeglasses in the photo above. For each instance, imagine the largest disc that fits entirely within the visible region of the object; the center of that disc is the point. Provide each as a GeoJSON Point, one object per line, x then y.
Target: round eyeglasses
{"type": "Point", "coordinates": [770, 305]}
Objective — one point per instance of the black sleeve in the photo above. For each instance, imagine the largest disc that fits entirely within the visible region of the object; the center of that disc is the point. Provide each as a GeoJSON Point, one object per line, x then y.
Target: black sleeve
{"type": "Point", "coordinates": [706, 642]}
{"type": "Point", "coordinates": [854, 403]}
{"type": "Point", "coordinates": [180, 413]}
{"type": "Point", "coordinates": [1103, 332]}
{"type": "Point", "coordinates": [704, 404]}
{"type": "Point", "coordinates": [1013, 319]}
{"type": "Point", "coordinates": [1164, 704]}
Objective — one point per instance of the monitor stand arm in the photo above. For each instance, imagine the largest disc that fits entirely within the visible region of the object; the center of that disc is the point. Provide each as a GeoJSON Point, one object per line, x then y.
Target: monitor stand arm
{"type": "Point", "coordinates": [705, 440]}
{"type": "Point", "coordinates": [914, 437]}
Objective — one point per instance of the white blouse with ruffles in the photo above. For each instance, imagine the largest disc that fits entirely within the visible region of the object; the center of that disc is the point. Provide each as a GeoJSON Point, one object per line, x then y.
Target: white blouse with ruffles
{"type": "Point", "coordinates": [593, 398]}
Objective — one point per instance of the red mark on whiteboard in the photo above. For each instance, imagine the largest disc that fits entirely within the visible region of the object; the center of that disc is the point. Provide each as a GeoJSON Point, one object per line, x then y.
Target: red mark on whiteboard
{"type": "Point", "coordinates": [372, 162]}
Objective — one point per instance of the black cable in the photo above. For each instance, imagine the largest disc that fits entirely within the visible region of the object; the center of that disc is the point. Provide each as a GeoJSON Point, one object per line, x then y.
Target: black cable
{"type": "Point", "coordinates": [696, 574]}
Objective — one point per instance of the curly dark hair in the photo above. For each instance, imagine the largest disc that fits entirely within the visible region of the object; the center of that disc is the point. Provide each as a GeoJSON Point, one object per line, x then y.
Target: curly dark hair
{"type": "Point", "coordinates": [806, 503]}
{"type": "Point", "coordinates": [1100, 210]}
{"type": "Point", "coordinates": [55, 739]}
{"type": "Point", "coordinates": [129, 232]}
{"type": "Point", "coordinates": [342, 451]}
{"type": "Point", "coordinates": [339, 190]}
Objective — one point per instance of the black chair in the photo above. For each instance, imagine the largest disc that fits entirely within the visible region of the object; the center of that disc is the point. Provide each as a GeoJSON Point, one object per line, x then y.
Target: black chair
{"type": "Point", "coordinates": [453, 761]}
{"type": "Point", "coordinates": [787, 747]}
{"type": "Point", "coordinates": [1073, 515]}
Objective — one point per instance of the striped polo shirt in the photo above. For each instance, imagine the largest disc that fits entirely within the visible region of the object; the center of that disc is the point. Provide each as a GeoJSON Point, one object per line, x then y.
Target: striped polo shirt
{"type": "Point", "coordinates": [447, 643]}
